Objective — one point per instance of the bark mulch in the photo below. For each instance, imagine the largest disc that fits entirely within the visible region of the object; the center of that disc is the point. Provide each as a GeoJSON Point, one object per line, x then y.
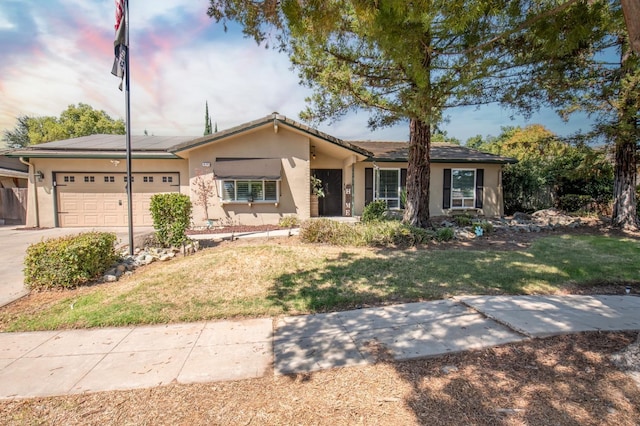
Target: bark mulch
{"type": "Point", "coordinates": [566, 380]}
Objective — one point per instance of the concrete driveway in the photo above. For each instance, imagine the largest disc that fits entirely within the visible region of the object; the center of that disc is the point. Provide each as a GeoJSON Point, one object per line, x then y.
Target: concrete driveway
{"type": "Point", "coordinates": [14, 241]}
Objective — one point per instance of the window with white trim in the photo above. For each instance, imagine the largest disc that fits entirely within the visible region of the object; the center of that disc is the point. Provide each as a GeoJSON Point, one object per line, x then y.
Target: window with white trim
{"type": "Point", "coordinates": [387, 187]}
{"type": "Point", "coordinates": [250, 190]}
{"type": "Point", "coordinates": [463, 188]}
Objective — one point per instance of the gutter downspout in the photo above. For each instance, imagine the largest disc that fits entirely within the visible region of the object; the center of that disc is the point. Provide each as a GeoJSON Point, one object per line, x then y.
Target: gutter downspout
{"type": "Point", "coordinates": [32, 172]}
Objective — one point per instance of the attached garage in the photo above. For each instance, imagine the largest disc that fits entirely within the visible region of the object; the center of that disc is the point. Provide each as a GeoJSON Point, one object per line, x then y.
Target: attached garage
{"type": "Point", "coordinates": [100, 199]}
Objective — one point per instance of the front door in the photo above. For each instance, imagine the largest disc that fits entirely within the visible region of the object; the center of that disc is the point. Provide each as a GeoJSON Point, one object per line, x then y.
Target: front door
{"type": "Point", "coordinates": [331, 203]}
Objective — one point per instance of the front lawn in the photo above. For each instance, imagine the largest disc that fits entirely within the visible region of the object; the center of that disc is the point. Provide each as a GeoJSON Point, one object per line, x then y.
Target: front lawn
{"type": "Point", "coordinates": [287, 277]}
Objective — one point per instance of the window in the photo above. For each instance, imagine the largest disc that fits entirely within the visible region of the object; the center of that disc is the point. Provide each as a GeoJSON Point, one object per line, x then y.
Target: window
{"type": "Point", "coordinates": [89, 179]}
{"type": "Point", "coordinates": [463, 188]}
{"type": "Point", "coordinates": [69, 179]}
{"type": "Point", "coordinates": [387, 187]}
{"type": "Point", "coordinates": [147, 179]}
{"type": "Point", "coordinates": [109, 179]}
{"type": "Point", "coordinates": [167, 179]}
{"type": "Point", "coordinates": [250, 190]}
{"type": "Point", "coordinates": [132, 179]}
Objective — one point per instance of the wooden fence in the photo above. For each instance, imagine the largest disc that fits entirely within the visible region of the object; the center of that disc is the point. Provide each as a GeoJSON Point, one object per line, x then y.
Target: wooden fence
{"type": "Point", "coordinates": [13, 206]}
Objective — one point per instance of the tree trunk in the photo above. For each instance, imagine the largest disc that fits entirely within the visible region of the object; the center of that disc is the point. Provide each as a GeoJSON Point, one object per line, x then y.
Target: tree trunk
{"type": "Point", "coordinates": [416, 212]}
{"type": "Point", "coordinates": [631, 10]}
{"type": "Point", "coordinates": [624, 186]}
{"type": "Point", "coordinates": [625, 213]}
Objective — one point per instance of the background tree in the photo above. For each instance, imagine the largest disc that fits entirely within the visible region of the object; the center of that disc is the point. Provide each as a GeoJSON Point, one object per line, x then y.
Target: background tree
{"type": "Point", "coordinates": [207, 119]}
{"type": "Point", "coordinates": [579, 59]}
{"type": "Point", "coordinates": [19, 136]}
{"type": "Point", "coordinates": [550, 172]}
{"type": "Point", "coordinates": [75, 121]}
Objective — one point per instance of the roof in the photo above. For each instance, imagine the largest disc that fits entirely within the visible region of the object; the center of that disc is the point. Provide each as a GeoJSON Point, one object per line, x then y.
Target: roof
{"type": "Point", "coordinates": [440, 153]}
{"type": "Point", "coordinates": [114, 146]}
{"type": "Point", "coordinates": [276, 120]}
{"type": "Point", "coordinates": [12, 164]}
{"type": "Point", "coordinates": [103, 146]}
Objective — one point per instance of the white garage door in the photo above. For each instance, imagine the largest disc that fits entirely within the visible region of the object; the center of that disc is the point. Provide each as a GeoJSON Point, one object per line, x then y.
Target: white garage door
{"type": "Point", "coordinates": [100, 199]}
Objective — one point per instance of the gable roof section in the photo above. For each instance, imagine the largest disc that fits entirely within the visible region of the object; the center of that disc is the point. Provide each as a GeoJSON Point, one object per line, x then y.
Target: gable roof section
{"type": "Point", "coordinates": [440, 153]}
{"type": "Point", "coordinates": [276, 120]}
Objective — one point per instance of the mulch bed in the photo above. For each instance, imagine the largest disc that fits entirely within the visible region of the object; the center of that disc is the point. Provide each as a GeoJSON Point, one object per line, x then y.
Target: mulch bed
{"type": "Point", "coordinates": [565, 380]}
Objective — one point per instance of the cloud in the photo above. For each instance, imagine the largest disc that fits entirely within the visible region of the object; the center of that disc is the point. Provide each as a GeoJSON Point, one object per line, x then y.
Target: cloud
{"type": "Point", "coordinates": [60, 52]}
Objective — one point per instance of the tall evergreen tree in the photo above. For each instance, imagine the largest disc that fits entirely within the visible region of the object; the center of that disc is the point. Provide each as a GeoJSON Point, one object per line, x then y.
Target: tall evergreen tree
{"type": "Point", "coordinates": [207, 119]}
{"type": "Point", "coordinates": [399, 60]}
{"type": "Point", "coordinates": [411, 60]}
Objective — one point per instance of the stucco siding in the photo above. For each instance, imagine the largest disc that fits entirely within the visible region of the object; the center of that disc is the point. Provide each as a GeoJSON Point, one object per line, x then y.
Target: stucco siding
{"type": "Point", "coordinates": [46, 195]}
{"type": "Point", "coordinates": [290, 147]}
{"type": "Point", "coordinates": [492, 194]}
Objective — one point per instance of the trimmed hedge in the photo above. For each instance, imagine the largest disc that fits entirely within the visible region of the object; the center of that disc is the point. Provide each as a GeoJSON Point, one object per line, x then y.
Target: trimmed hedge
{"type": "Point", "coordinates": [171, 215]}
{"type": "Point", "coordinates": [68, 262]}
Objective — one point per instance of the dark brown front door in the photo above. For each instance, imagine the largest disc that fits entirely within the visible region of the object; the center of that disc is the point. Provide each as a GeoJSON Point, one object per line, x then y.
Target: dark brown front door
{"type": "Point", "coordinates": [331, 203]}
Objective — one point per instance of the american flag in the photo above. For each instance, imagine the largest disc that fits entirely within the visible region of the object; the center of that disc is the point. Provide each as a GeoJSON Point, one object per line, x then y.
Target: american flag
{"type": "Point", "coordinates": [120, 43]}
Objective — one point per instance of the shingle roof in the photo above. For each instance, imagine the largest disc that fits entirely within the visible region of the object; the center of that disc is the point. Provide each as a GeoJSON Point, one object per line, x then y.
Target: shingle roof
{"type": "Point", "coordinates": [440, 153]}
{"type": "Point", "coordinates": [114, 146]}
{"type": "Point", "coordinates": [107, 146]}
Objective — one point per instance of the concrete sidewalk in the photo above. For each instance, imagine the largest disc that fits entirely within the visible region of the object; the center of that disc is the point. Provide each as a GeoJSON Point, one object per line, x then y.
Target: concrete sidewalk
{"type": "Point", "coordinates": [76, 361]}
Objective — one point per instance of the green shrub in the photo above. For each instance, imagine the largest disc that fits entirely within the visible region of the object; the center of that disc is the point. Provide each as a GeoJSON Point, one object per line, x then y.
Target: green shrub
{"type": "Point", "coordinates": [289, 222]}
{"type": "Point", "coordinates": [171, 215]}
{"type": "Point", "coordinates": [444, 234]}
{"type": "Point", "coordinates": [375, 234]}
{"type": "Point", "coordinates": [462, 219]}
{"type": "Point", "coordinates": [573, 202]}
{"type": "Point", "coordinates": [375, 210]}
{"type": "Point", "coordinates": [487, 227]}
{"type": "Point", "coordinates": [70, 261]}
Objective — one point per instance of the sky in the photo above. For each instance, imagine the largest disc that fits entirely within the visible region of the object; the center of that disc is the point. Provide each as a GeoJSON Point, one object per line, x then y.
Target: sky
{"type": "Point", "coordinates": [59, 52]}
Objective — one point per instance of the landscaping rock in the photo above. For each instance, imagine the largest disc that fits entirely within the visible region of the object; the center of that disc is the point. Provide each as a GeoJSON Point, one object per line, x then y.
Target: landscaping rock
{"type": "Point", "coordinates": [145, 256]}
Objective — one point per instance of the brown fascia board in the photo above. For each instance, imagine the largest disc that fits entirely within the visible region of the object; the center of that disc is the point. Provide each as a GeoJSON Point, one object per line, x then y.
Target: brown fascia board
{"type": "Point", "coordinates": [273, 119]}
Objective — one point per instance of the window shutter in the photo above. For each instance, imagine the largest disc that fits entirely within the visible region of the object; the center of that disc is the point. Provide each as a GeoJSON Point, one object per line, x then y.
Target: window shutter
{"type": "Point", "coordinates": [368, 185]}
{"type": "Point", "coordinates": [446, 190]}
{"type": "Point", "coordinates": [403, 184]}
{"type": "Point", "coordinates": [479, 187]}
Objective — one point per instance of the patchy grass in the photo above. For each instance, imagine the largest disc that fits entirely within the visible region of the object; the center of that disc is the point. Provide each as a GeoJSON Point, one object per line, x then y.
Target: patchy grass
{"type": "Point", "coordinates": [286, 277]}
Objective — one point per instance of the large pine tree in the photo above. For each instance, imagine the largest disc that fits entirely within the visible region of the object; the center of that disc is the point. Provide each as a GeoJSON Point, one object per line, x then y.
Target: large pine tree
{"type": "Point", "coordinates": [411, 61]}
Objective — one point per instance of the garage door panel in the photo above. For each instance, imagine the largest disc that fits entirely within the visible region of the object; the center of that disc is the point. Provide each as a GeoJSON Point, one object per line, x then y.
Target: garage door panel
{"type": "Point", "coordinates": [99, 199]}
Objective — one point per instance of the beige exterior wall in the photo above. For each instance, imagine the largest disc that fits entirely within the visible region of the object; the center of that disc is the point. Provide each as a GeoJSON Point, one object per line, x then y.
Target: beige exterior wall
{"type": "Point", "coordinates": [42, 202]}
{"type": "Point", "coordinates": [291, 147]}
{"type": "Point", "coordinates": [298, 152]}
{"type": "Point", "coordinates": [493, 196]}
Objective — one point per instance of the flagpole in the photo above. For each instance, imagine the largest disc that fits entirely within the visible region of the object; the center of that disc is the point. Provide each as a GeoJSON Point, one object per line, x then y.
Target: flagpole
{"type": "Point", "coordinates": [128, 129]}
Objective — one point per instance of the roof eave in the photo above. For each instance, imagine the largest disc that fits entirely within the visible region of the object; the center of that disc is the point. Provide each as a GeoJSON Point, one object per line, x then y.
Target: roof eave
{"type": "Point", "coordinates": [93, 154]}
{"type": "Point", "coordinates": [442, 160]}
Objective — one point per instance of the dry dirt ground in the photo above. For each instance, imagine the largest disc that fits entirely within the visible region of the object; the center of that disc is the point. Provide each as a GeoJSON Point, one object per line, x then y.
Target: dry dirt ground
{"type": "Point", "coordinates": [567, 380]}
{"type": "Point", "coordinates": [564, 380]}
